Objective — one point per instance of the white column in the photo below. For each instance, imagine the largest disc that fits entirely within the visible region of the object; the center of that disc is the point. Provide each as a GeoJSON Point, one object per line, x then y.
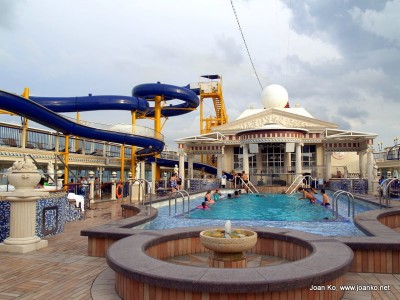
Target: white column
{"type": "Point", "coordinates": [223, 159]}
{"type": "Point", "coordinates": [361, 163]}
{"type": "Point", "coordinates": [190, 166]}
{"type": "Point", "coordinates": [298, 159]}
{"type": "Point", "coordinates": [143, 170]}
{"type": "Point", "coordinates": [370, 169]}
{"type": "Point", "coordinates": [328, 164]}
{"type": "Point", "coordinates": [113, 189]}
{"type": "Point", "coordinates": [182, 167]}
{"type": "Point", "coordinates": [286, 161]}
{"type": "Point", "coordinates": [219, 165]}
{"type": "Point", "coordinates": [91, 190]}
{"type": "Point", "coordinates": [246, 158]}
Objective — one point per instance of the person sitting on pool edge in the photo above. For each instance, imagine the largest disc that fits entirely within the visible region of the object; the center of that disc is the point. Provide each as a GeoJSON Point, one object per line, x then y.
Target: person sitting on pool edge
{"type": "Point", "coordinates": [306, 195]}
{"type": "Point", "coordinates": [207, 198]}
{"type": "Point", "coordinates": [217, 194]}
{"type": "Point", "coordinates": [325, 198]}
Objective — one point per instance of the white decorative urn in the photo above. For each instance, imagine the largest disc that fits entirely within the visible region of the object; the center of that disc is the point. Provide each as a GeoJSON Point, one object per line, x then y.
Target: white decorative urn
{"type": "Point", "coordinates": [23, 175]}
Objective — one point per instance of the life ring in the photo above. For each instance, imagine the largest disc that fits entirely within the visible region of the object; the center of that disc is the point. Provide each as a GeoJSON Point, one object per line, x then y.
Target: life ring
{"type": "Point", "coordinates": [119, 190]}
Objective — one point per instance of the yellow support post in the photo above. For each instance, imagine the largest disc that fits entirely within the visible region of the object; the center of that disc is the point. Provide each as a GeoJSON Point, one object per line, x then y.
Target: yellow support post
{"type": "Point", "coordinates": [24, 135]}
{"type": "Point", "coordinates": [66, 158]}
{"type": "Point", "coordinates": [157, 127]}
{"type": "Point", "coordinates": [122, 163]}
{"type": "Point", "coordinates": [133, 149]}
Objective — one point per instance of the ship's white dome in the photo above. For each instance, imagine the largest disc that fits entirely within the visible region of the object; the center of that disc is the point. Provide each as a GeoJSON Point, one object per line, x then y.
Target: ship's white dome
{"type": "Point", "coordinates": [274, 96]}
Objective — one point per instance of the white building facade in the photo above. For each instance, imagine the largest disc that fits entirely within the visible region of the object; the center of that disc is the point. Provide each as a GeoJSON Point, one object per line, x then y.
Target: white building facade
{"type": "Point", "coordinates": [277, 143]}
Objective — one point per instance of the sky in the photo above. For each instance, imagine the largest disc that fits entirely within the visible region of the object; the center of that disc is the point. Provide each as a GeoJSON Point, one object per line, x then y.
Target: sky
{"type": "Point", "coordinates": [338, 59]}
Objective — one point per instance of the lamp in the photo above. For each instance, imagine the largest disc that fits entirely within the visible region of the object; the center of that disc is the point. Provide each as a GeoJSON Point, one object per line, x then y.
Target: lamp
{"type": "Point", "coordinates": [114, 176]}
{"type": "Point", "coordinates": [91, 174]}
{"type": "Point", "coordinates": [129, 175]}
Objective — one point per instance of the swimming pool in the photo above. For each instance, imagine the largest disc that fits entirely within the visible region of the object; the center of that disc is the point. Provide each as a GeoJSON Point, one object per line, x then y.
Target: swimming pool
{"type": "Point", "coordinates": [271, 207]}
{"type": "Point", "coordinates": [269, 210]}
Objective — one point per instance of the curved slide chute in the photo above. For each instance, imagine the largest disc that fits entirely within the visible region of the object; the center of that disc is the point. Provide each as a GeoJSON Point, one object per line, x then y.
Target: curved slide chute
{"type": "Point", "coordinates": [90, 103]}
{"type": "Point", "coordinates": [42, 115]}
{"type": "Point", "coordinates": [168, 92]}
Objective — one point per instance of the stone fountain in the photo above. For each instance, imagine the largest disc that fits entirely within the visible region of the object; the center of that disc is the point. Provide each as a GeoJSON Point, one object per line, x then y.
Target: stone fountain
{"type": "Point", "coordinates": [228, 247]}
{"type": "Point", "coordinates": [24, 176]}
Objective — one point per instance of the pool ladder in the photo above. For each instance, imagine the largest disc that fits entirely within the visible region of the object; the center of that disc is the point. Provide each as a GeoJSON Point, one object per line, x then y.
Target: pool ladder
{"type": "Point", "coordinates": [350, 201]}
{"type": "Point", "coordinates": [299, 181]}
{"type": "Point", "coordinates": [249, 186]}
{"type": "Point", "coordinates": [384, 190]}
{"type": "Point", "coordinates": [182, 194]}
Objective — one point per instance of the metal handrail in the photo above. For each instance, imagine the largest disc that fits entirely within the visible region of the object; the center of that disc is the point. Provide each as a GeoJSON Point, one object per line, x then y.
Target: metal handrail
{"type": "Point", "coordinates": [249, 185]}
{"type": "Point", "coordinates": [294, 183]}
{"type": "Point", "coordinates": [56, 156]}
{"type": "Point", "coordinates": [387, 183]}
{"type": "Point", "coordinates": [335, 198]}
{"type": "Point", "coordinates": [181, 193]}
{"type": "Point", "coordinates": [143, 186]}
{"type": "Point", "coordinates": [41, 168]}
{"type": "Point", "coordinates": [300, 182]}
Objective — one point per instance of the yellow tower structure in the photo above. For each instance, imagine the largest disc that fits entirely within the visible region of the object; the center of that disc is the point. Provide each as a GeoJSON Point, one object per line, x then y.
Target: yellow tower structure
{"type": "Point", "coordinates": [212, 89]}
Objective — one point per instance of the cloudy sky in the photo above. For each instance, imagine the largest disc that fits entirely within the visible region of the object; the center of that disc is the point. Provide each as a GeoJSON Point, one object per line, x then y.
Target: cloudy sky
{"type": "Point", "coordinates": [338, 59]}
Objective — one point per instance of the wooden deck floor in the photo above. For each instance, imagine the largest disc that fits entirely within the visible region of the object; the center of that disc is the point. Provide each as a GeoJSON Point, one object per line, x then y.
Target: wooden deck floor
{"type": "Point", "coordinates": [60, 271]}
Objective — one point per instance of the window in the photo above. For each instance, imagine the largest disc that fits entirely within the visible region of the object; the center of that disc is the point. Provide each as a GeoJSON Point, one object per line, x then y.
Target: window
{"type": "Point", "coordinates": [308, 156]}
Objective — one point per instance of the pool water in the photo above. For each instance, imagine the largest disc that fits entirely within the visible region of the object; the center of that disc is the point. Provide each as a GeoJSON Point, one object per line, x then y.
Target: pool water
{"type": "Point", "coordinates": [269, 210]}
{"type": "Point", "coordinates": [272, 207]}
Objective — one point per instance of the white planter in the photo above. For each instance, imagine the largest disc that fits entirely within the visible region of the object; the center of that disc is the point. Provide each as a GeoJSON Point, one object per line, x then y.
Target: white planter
{"type": "Point", "coordinates": [24, 180]}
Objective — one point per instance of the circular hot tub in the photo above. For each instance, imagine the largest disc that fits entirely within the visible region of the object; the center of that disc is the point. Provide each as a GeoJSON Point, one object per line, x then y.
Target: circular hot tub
{"type": "Point", "coordinates": [315, 265]}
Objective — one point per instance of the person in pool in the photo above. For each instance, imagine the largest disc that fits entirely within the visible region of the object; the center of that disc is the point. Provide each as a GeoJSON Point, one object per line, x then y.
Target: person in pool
{"type": "Point", "coordinates": [306, 195]}
{"type": "Point", "coordinates": [216, 195]}
{"type": "Point", "coordinates": [207, 198]}
{"type": "Point", "coordinates": [325, 198]}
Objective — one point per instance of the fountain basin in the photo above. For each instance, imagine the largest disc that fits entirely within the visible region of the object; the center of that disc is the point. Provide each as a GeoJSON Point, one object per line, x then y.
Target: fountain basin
{"type": "Point", "coordinates": [240, 241]}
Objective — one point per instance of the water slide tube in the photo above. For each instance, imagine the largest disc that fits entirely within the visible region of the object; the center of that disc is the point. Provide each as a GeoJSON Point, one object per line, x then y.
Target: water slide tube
{"type": "Point", "coordinates": [42, 115]}
{"type": "Point", "coordinates": [137, 102]}
{"type": "Point", "coordinates": [168, 92]}
{"type": "Point", "coordinates": [91, 103]}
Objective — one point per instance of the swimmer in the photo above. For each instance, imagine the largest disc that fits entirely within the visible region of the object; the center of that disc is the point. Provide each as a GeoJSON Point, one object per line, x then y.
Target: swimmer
{"type": "Point", "coordinates": [325, 199]}
{"type": "Point", "coordinates": [217, 195]}
{"type": "Point", "coordinates": [306, 195]}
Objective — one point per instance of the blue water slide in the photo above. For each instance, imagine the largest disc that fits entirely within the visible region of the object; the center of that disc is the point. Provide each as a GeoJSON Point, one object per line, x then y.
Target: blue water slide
{"type": "Point", "coordinates": [90, 103]}
{"type": "Point", "coordinates": [168, 92]}
{"type": "Point", "coordinates": [42, 115]}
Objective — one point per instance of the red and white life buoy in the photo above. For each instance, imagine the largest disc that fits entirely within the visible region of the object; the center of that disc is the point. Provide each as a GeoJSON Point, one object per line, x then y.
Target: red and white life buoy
{"type": "Point", "coordinates": [119, 190]}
